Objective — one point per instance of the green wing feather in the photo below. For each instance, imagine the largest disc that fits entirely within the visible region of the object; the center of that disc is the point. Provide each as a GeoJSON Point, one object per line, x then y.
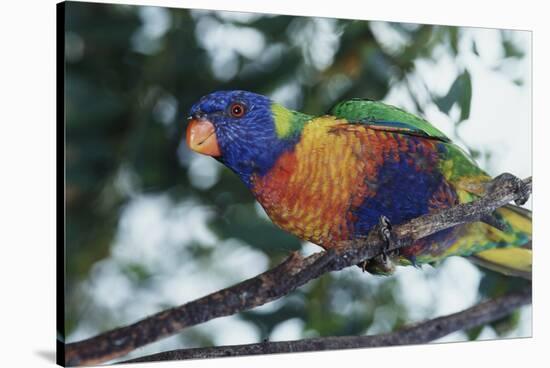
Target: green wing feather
{"type": "Point", "coordinates": [381, 116]}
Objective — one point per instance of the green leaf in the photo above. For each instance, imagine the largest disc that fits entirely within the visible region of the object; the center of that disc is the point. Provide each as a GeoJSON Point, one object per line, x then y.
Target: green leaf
{"type": "Point", "coordinates": [518, 82]}
{"type": "Point", "coordinates": [460, 93]}
{"type": "Point", "coordinates": [511, 50]}
{"type": "Point", "coordinates": [506, 324]}
{"type": "Point", "coordinates": [475, 153]}
{"type": "Point", "coordinates": [474, 48]}
{"type": "Point", "coordinates": [453, 39]}
{"type": "Point", "coordinates": [473, 333]}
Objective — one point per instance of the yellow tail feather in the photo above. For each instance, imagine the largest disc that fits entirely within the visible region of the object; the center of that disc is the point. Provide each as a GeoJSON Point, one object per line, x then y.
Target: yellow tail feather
{"type": "Point", "coordinates": [516, 260]}
{"type": "Point", "coordinates": [508, 261]}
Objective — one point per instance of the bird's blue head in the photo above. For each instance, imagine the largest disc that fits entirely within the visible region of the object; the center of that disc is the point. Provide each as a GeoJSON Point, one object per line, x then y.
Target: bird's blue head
{"type": "Point", "coordinates": [245, 131]}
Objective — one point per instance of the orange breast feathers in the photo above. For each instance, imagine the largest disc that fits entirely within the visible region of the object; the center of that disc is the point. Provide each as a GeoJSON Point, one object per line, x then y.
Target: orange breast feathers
{"type": "Point", "coordinates": [312, 189]}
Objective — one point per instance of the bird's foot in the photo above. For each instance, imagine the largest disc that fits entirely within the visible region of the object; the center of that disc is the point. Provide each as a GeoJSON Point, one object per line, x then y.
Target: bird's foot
{"type": "Point", "coordinates": [379, 265]}
{"type": "Point", "coordinates": [382, 264]}
{"type": "Point", "coordinates": [384, 227]}
{"type": "Point", "coordinates": [522, 189]}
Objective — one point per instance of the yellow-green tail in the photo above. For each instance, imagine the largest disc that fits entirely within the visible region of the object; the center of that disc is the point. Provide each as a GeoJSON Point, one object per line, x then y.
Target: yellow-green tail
{"type": "Point", "coordinates": [510, 251]}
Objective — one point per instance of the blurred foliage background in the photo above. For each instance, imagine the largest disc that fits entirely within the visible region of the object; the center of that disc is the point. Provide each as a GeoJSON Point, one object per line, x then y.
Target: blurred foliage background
{"type": "Point", "coordinates": [151, 225]}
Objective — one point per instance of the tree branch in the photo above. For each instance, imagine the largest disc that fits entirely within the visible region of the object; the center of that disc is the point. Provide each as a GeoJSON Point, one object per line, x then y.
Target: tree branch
{"type": "Point", "coordinates": [294, 272]}
{"type": "Point", "coordinates": [420, 333]}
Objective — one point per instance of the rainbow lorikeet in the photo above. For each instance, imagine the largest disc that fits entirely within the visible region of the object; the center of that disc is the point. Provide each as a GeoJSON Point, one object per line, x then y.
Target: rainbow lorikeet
{"type": "Point", "coordinates": [333, 177]}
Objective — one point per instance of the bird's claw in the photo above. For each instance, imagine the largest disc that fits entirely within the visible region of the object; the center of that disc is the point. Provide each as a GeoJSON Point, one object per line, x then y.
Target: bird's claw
{"type": "Point", "coordinates": [385, 227]}
{"type": "Point", "coordinates": [522, 189]}
{"type": "Point", "coordinates": [382, 264]}
{"type": "Point", "coordinates": [524, 193]}
{"type": "Point", "coordinates": [412, 259]}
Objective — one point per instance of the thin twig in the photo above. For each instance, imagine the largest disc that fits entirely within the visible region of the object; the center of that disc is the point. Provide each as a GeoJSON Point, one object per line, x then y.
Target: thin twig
{"type": "Point", "coordinates": [294, 272]}
{"type": "Point", "coordinates": [420, 333]}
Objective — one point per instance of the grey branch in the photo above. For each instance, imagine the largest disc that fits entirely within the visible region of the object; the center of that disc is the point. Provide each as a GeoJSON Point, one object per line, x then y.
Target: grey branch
{"type": "Point", "coordinates": [420, 333]}
{"type": "Point", "coordinates": [294, 272]}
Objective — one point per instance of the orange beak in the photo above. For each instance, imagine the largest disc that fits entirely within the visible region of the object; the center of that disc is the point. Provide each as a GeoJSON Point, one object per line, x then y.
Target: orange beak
{"type": "Point", "coordinates": [201, 137]}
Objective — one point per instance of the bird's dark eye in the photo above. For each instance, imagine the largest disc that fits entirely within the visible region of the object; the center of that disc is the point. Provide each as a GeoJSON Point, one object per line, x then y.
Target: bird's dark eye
{"type": "Point", "coordinates": [237, 110]}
